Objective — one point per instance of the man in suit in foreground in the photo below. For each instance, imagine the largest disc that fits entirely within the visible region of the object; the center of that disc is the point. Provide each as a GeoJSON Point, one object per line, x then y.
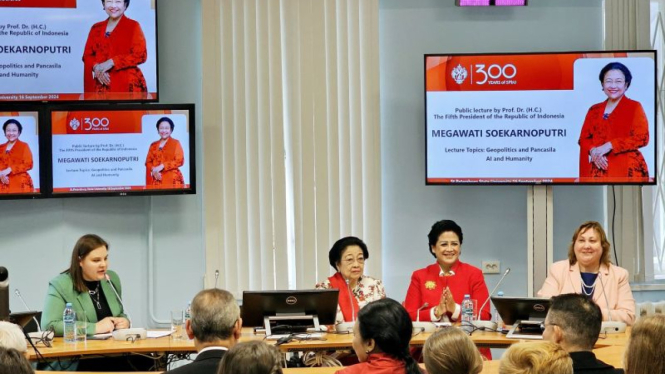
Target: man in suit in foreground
{"type": "Point", "coordinates": [573, 322]}
{"type": "Point", "coordinates": [215, 326]}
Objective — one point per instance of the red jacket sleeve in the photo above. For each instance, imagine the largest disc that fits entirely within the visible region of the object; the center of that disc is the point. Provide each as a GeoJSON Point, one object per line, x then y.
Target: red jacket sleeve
{"type": "Point", "coordinates": [414, 299]}
{"type": "Point", "coordinates": [138, 52]}
{"type": "Point", "coordinates": [638, 134]}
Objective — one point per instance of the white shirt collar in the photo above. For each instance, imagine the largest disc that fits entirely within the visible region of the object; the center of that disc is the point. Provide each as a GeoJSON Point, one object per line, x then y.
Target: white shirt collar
{"type": "Point", "coordinates": [214, 348]}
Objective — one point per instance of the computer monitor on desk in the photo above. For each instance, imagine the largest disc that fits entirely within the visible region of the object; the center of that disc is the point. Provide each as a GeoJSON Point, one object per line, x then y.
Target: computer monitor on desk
{"type": "Point", "coordinates": [525, 314]}
{"type": "Point", "coordinates": [289, 310]}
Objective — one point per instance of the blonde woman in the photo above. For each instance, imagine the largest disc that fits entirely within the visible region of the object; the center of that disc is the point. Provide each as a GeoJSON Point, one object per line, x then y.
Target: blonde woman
{"type": "Point", "coordinates": [536, 358]}
{"type": "Point", "coordinates": [645, 353]}
{"type": "Point", "coordinates": [253, 357]}
{"type": "Point", "coordinates": [451, 351]}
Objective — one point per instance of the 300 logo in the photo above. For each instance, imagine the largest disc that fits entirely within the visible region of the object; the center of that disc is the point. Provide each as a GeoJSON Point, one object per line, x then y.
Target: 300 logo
{"type": "Point", "coordinates": [495, 71]}
{"type": "Point", "coordinates": [95, 123]}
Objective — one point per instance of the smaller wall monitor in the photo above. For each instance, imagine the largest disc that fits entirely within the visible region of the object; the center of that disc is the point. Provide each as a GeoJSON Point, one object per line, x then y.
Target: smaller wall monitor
{"type": "Point", "coordinates": [122, 150]}
{"type": "Point", "coordinates": [20, 172]}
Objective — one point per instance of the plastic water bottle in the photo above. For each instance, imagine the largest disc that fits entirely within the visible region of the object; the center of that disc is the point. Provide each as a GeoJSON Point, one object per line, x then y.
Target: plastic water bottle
{"type": "Point", "coordinates": [497, 317]}
{"type": "Point", "coordinates": [69, 324]}
{"type": "Point", "coordinates": [467, 313]}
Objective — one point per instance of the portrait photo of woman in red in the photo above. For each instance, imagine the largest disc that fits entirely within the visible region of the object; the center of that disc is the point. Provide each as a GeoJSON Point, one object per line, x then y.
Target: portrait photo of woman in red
{"type": "Point", "coordinates": [613, 133]}
{"type": "Point", "coordinates": [113, 52]}
{"type": "Point", "coordinates": [15, 161]}
{"type": "Point", "coordinates": [165, 157]}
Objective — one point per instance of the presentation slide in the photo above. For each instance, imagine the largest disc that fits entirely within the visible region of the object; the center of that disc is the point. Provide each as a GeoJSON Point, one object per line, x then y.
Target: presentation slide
{"type": "Point", "coordinates": [19, 153]}
{"type": "Point", "coordinates": [71, 50]}
{"type": "Point", "coordinates": [120, 150]}
{"type": "Point", "coordinates": [561, 118]}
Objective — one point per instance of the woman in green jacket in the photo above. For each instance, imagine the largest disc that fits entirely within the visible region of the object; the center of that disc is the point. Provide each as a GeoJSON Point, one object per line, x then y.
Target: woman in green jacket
{"type": "Point", "coordinates": [93, 291]}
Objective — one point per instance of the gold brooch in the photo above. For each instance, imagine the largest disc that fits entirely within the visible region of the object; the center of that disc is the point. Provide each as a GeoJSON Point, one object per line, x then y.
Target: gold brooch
{"type": "Point", "coordinates": [430, 285]}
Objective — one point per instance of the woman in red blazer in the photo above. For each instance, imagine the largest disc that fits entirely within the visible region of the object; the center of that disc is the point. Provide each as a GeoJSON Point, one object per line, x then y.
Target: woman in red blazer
{"type": "Point", "coordinates": [15, 161]}
{"type": "Point", "coordinates": [589, 271]}
{"type": "Point", "coordinates": [613, 132]}
{"type": "Point", "coordinates": [436, 292]}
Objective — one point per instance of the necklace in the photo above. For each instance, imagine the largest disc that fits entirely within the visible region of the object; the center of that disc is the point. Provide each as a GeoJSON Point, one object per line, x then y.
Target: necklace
{"type": "Point", "coordinates": [586, 286]}
{"type": "Point", "coordinates": [96, 294]}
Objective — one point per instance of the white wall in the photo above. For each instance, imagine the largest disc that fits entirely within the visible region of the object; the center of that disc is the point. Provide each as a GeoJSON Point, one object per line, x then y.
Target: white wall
{"type": "Point", "coordinates": [37, 237]}
{"type": "Point", "coordinates": [493, 218]}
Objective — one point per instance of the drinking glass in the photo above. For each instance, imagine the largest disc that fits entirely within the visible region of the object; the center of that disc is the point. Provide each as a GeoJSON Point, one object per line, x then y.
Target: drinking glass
{"type": "Point", "coordinates": [177, 324]}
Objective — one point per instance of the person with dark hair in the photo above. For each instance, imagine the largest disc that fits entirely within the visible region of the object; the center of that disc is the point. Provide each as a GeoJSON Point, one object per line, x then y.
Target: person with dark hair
{"type": "Point", "coordinates": [381, 339]}
{"type": "Point", "coordinates": [436, 292]}
{"type": "Point", "coordinates": [91, 289]}
{"type": "Point", "coordinates": [113, 51]}
{"type": "Point", "coordinates": [215, 326]}
{"type": "Point", "coordinates": [15, 160]}
{"type": "Point", "coordinates": [573, 321]}
{"type": "Point", "coordinates": [347, 256]}
{"type": "Point", "coordinates": [614, 131]}
{"type": "Point", "coordinates": [645, 353]}
{"type": "Point", "coordinates": [589, 270]}
{"type": "Point", "coordinates": [14, 362]}
{"type": "Point", "coordinates": [253, 357]}
{"type": "Point", "coordinates": [165, 157]}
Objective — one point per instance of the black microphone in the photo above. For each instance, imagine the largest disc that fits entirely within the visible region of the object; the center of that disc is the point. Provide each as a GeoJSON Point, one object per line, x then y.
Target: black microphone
{"type": "Point", "coordinates": [489, 324]}
{"type": "Point", "coordinates": [4, 294]}
{"type": "Point", "coordinates": [108, 279]}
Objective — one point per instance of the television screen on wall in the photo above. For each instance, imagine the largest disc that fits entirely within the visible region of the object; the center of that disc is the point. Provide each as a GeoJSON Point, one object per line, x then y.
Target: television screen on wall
{"type": "Point", "coordinates": [541, 118]}
{"type": "Point", "coordinates": [126, 150]}
{"type": "Point", "coordinates": [20, 171]}
{"type": "Point", "coordinates": [78, 50]}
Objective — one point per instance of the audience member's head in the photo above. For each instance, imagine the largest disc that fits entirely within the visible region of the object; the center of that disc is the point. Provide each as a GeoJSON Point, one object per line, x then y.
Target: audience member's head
{"type": "Point", "coordinates": [536, 358]}
{"type": "Point", "coordinates": [451, 351]}
{"type": "Point", "coordinates": [11, 336]}
{"type": "Point", "coordinates": [215, 319]}
{"type": "Point", "coordinates": [13, 362]}
{"type": "Point", "coordinates": [253, 357]}
{"type": "Point", "coordinates": [573, 322]}
{"type": "Point", "coordinates": [645, 353]}
{"type": "Point", "coordinates": [384, 326]}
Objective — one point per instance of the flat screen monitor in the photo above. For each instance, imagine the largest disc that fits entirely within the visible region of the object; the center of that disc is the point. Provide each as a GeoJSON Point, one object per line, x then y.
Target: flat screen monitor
{"type": "Point", "coordinates": [78, 50]}
{"type": "Point", "coordinates": [513, 309]}
{"type": "Point", "coordinates": [259, 304]}
{"type": "Point", "coordinates": [122, 150]}
{"type": "Point", "coordinates": [20, 171]}
{"type": "Point", "coordinates": [541, 118]}
{"type": "Point", "coordinates": [491, 2]}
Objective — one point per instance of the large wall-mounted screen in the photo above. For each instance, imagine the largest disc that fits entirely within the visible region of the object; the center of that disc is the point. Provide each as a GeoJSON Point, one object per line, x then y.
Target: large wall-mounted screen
{"type": "Point", "coordinates": [78, 50]}
{"type": "Point", "coordinates": [541, 118]}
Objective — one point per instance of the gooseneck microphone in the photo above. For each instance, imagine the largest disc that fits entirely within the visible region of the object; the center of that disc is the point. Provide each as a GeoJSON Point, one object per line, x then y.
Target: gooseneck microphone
{"type": "Point", "coordinates": [27, 308]}
{"type": "Point", "coordinates": [216, 277]}
{"type": "Point", "coordinates": [353, 309]}
{"type": "Point", "coordinates": [4, 294]}
{"type": "Point", "coordinates": [610, 327]}
{"type": "Point", "coordinates": [419, 309]}
{"type": "Point", "coordinates": [108, 279]}
{"type": "Point", "coordinates": [493, 290]}
{"type": "Point", "coordinates": [489, 325]}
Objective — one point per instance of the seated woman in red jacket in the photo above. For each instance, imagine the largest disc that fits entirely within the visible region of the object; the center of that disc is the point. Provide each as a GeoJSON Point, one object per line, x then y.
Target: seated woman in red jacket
{"type": "Point", "coordinates": [381, 338]}
{"type": "Point", "coordinates": [436, 292]}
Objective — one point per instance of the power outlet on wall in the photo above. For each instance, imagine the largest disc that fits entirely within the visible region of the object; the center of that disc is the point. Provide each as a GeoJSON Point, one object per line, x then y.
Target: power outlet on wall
{"type": "Point", "coordinates": [491, 267]}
